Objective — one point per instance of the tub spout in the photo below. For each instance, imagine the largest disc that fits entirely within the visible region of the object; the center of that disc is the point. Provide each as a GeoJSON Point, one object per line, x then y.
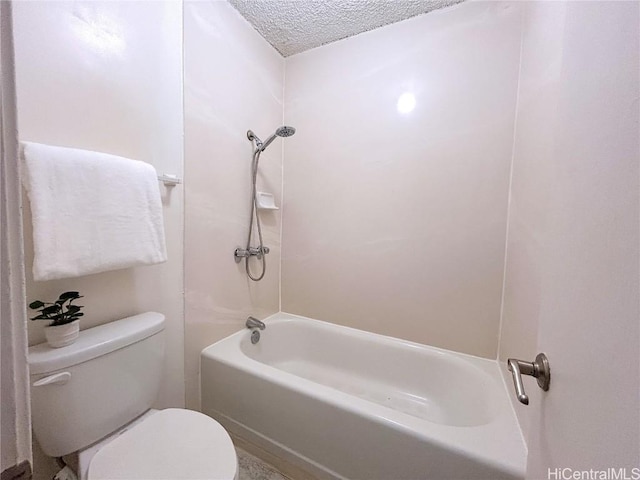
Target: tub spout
{"type": "Point", "coordinates": [253, 322]}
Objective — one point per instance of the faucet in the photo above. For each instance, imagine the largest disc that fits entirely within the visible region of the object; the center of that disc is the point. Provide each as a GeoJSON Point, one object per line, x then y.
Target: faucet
{"type": "Point", "coordinates": [253, 322]}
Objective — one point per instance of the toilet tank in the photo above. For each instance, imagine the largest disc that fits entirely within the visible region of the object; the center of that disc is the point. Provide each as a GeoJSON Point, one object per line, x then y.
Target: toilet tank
{"type": "Point", "coordinates": [85, 391]}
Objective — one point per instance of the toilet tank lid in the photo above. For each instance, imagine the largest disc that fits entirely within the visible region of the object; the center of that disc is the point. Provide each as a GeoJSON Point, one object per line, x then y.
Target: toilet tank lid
{"type": "Point", "coordinates": [94, 342]}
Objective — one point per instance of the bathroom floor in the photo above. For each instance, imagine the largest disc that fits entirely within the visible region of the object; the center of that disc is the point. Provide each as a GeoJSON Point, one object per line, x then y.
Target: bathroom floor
{"type": "Point", "coordinates": [252, 468]}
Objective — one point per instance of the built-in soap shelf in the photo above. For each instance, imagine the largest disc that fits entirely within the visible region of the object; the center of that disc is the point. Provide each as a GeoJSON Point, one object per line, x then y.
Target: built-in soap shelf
{"type": "Point", "coordinates": [266, 201]}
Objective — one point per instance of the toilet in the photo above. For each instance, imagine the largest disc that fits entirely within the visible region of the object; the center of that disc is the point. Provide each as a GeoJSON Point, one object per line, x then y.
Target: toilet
{"type": "Point", "coordinates": [91, 404]}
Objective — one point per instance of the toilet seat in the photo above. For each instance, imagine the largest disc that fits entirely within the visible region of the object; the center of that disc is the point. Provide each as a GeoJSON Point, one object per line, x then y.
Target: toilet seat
{"type": "Point", "coordinates": [173, 444]}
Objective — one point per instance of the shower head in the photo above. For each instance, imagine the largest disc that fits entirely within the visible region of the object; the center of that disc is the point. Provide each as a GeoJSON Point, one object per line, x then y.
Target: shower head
{"type": "Point", "coordinates": [284, 131]}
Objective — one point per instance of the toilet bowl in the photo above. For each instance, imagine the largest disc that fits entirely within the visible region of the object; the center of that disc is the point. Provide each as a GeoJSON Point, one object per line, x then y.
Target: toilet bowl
{"type": "Point", "coordinates": [171, 444]}
{"type": "Point", "coordinates": [91, 400]}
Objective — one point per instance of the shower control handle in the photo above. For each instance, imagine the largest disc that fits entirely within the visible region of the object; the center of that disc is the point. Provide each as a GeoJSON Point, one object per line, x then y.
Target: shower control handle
{"type": "Point", "coordinates": [258, 251]}
{"type": "Point", "coordinates": [240, 253]}
{"type": "Point", "coordinates": [538, 369]}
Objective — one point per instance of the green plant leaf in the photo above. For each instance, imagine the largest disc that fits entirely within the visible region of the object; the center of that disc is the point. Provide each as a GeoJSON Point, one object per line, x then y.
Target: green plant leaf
{"type": "Point", "coordinates": [69, 295]}
{"type": "Point", "coordinates": [51, 310]}
{"type": "Point", "coordinates": [61, 312]}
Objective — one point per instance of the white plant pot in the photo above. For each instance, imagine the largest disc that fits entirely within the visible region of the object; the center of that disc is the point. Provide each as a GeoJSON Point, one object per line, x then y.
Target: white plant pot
{"type": "Point", "coordinates": [62, 335]}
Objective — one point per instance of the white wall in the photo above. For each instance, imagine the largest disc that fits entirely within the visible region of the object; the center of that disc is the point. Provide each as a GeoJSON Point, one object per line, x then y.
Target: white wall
{"type": "Point", "coordinates": [14, 393]}
{"type": "Point", "coordinates": [395, 223]}
{"type": "Point", "coordinates": [571, 285]}
{"type": "Point", "coordinates": [233, 83]}
{"type": "Point", "coordinates": [530, 201]}
{"type": "Point", "coordinates": [573, 273]}
{"type": "Point", "coordinates": [107, 76]}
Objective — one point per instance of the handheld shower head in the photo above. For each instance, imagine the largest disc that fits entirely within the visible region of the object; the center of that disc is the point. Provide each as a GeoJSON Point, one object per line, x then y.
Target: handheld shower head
{"type": "Point", "coordinates": [284, 131]}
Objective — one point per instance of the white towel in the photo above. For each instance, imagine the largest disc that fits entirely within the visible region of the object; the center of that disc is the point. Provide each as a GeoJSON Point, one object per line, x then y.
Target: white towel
{"type": "Point", "coordinates": [92, 212]}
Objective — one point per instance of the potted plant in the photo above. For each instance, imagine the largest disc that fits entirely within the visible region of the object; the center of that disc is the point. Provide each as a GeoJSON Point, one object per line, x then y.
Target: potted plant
{"type": "Point", "coordinates": [64, 317]}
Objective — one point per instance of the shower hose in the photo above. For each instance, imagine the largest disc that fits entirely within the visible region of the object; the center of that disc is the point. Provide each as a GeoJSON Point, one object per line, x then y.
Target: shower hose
{"type": "Point", "coordinates": [254, 214]}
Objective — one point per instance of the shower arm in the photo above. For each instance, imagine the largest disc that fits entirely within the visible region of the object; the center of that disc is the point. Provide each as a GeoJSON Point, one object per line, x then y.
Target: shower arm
{"type": "Point", "coordinates": [254, 138]}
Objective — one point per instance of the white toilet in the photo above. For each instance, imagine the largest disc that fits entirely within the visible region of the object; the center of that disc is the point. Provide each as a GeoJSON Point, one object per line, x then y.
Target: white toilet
{"type": "Point", "coordinates": [92, 399]}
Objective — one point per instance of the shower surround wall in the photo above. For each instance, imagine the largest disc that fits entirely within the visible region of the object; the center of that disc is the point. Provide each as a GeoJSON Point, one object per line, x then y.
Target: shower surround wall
{"type": "Point", "coordinates": [395, 222]}
{"type": "Point", "coordinates": [233, 83]}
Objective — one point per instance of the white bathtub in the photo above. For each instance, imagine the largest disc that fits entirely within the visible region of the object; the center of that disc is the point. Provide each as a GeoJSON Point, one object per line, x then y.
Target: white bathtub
{"type": "Point", "coordinates": [342, 403]}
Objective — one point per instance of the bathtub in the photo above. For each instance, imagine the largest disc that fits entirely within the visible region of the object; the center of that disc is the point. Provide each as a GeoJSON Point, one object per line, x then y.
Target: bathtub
{"type": "Point", "coordinates": [346, 404]}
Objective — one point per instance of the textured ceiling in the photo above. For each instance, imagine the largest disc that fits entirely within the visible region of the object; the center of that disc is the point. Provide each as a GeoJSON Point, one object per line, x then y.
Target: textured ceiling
{"type": "Point", "coordinates": [293, 26]}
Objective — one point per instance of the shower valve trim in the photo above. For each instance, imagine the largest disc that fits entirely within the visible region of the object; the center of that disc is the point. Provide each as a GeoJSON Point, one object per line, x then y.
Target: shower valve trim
{"type": "Point", "coordinates": [241, 253]}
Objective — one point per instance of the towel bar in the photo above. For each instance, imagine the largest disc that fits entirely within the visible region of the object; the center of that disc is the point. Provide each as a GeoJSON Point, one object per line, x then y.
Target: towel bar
{"type": "Point", "coordinates": [169, 180]}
